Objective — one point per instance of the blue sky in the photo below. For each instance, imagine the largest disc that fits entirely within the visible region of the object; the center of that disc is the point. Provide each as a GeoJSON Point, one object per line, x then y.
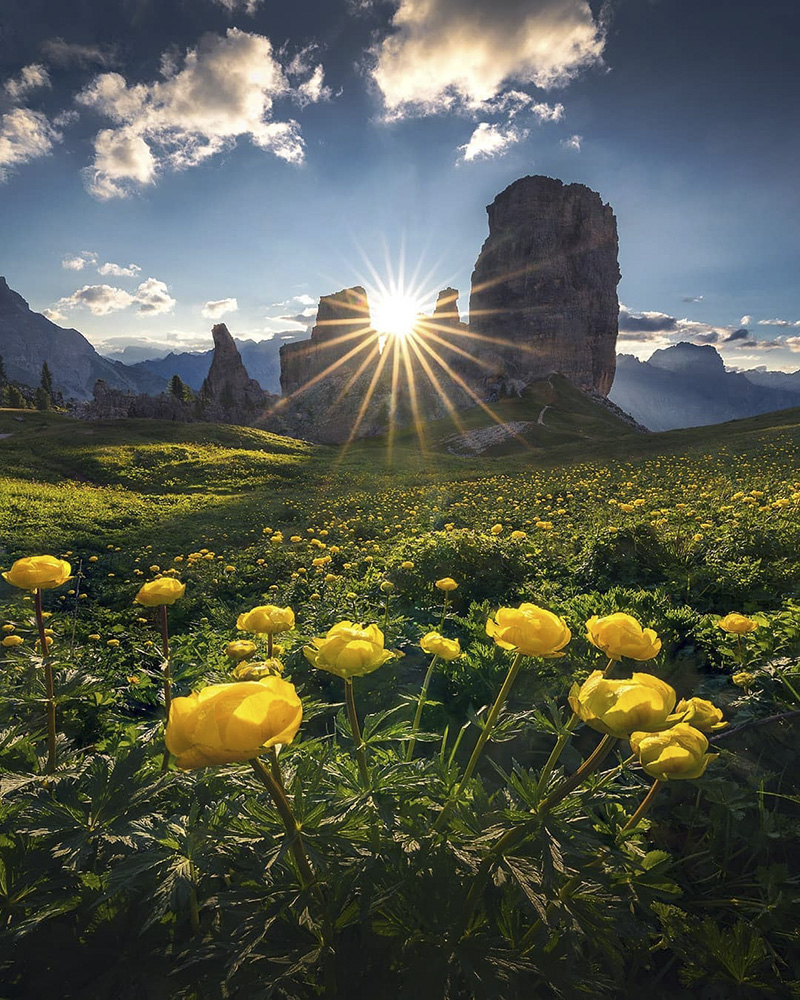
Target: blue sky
{"type": "Point", "coordinates": [165, 164]}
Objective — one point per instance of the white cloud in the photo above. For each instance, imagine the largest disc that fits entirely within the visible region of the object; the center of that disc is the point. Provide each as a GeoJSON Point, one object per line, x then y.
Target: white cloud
{"type": "Point", "coordinates": [248, 6]}
{"type": "Point", "coordinates": [779, 322]}
{"type": "Point", "coordinates": [54, 316]}
{"type": "Point", "coordinates": [100, 300]}
{"type": "Point", "coordinates": [574, 142]}
{"type": "Point", "coordinates": [746, 321]}
{"type": "Point", "coordinates": [24, 135]}
{"type": "Point", "coordinates": [793, 343]}
{"type": "Point", "coordinates": [219, 307]}
{"type": "Point", "coordinates": [153, 298]}
{"type": "Point", "coordinates": [444, 54]}
{"type": "Point", "coordinates": [30, 78]}
{"type": "Point", "coordinates": [488, 141]}
{"type": "Point", "coordinates": [78, 261]}
{"type": "Point", "coordinates": [68, 54]}
{"type": "Point", "coordinates": [313, 89]}
{"type": "Point", "coordinates": [224, 89]}
{"type": "Point", "coordinates": [116, 271]}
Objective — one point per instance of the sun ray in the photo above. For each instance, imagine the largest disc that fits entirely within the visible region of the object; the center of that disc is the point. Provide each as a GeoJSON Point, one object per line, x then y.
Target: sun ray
{"type": "Point", "coordinates": [437, 385]}
{"type": "Point", "coordinates": [330, 369]}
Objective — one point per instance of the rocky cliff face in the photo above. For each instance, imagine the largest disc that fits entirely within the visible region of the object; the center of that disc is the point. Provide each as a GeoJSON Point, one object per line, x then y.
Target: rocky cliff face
{"type": "Point", "coordinates": [28, 339]}
{"type": "Point", "coordinates": [544, 286]}
{"type": "Point", "coordinates": [228, 392]}
{"type": "Point", "coordinates": [339, 340]}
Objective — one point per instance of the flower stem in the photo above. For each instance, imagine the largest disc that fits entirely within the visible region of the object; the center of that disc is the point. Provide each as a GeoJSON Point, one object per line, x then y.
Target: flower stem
{"type": "Point", "coordinates": [167, 672]}
{"type": "Point", "coordinates": [308, 878]}
{"type": "Point", "coordinates": [49, 685]}
{"type": "Point", "coordinates": [444, 609]}
{"type": "Point", "coordinates": [483, 738]}
{"type": "Point", "coordinates": [270, 645]}
{"type": "Point", "coordinates": [644, 806]}
{"type": "Point", "coordinates": [592, 762]}
{"type": "Point", "coordinates": [423, 695]}
{"type": "Point", "coordinates": [352, 715]}
{"type": "Point", "coordinates": [552, 760]}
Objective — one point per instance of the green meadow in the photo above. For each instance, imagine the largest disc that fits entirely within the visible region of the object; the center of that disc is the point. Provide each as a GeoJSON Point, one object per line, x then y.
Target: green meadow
{"type": "Point", "coordinates": [479, 842]}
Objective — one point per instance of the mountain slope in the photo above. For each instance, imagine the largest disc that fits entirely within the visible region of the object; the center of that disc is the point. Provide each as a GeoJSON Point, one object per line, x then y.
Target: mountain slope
{"type": "Point", "coordinates": [28, 339]}
{"type": "Point", "coordinates": [686, 385]}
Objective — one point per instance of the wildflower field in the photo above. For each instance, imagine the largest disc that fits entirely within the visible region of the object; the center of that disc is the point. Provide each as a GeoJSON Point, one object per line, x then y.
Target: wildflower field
{"type": "Point", "coordinates": [279, 722]}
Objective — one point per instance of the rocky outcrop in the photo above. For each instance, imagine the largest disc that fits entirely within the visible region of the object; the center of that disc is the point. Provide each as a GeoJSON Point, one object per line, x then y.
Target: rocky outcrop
{"type": "Point", "coordinates": [544, 293]}
{"type": "Point", "coordinates": [228, 394]}
{"type": "Point", "coordinates": [339, 340]}
{"type": "Point", "coordinates": [347, 381]}
{"type": "Point", "coordinates": [28, 339]}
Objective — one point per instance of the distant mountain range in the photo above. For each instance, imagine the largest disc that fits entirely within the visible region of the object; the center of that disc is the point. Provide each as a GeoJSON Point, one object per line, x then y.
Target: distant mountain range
{"type": "Point", "coordinates": [686, 385]}
{"type": "Point", "coordinates": [28, 339]}
{"type": "Point", "coordinates": [261, 359]}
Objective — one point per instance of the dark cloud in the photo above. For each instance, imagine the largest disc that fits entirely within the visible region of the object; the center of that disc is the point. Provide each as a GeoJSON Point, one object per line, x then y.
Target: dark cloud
{"type": "Point", "coordinates": [742, 334]}
{"type": "Point", "coordinates": [649, 322]}
{"type": "Point", "coordinates": [712, 337]}
{"type": "Point", "coordinates": [693, 298]}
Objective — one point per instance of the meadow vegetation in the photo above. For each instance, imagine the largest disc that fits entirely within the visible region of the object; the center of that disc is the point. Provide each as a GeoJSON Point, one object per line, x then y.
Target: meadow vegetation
{"type": "Point", "coordinates": [482, 841]}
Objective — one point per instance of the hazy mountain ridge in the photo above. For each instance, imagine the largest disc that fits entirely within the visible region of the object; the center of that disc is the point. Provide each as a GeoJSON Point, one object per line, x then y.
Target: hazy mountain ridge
{"type": "Point", "coordinates": [687, 385]}
{"type": "Point", "coordinates": [260, 357]}
{"type": "Point", "coordinates": [28, 339]}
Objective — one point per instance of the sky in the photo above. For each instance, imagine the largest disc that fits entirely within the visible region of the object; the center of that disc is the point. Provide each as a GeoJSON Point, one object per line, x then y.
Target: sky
{"type": "Point", "coordinates": [169, 164]}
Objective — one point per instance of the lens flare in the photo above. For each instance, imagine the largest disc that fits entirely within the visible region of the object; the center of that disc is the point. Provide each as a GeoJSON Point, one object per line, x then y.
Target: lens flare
{"type": "Point", "coordinates": [396, 313]}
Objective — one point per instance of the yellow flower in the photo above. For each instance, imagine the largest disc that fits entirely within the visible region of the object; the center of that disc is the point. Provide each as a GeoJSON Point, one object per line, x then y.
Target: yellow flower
{"type": "Point", "coordinates": [407, 564]}
{"type": "Point", "coordinates": [743, 679]}
{"type": "Point", "coordinates": [240, 649]}
{"type": "Point", "coordinates": [225, 723]}
{"type": "Point", "coordinates": [529, 629]}
{"type": "Point", "coordinates": [38, 573]}
{"type": "Point", "coordinates": [701, 714]}
{"type": "Point", "coordinates": [267, 619]}
{"type": "Point", "coordinates": [619, 708]}
{"type": "Point", "coordinates": [447, 584]}
{"type": "Point", "coordinates": [158, 592]}
{"type": "Point", "coordinates": [496, 529]}
{"type": "Point", "coordinates": [387, 587]}
{"type": "Point", "coordinates": [12, 640]}
{"type": "Point", "coordinates": [92, 559]}
{"type": "Point", "coordinates": [113, 643]}
{"type": "Point", "coordinates": [436, 644]}
{"type": "Point", "coordinates": [736, 623]}
{"type": "Point", "coordinates": [9, 627]}
{"type": "Point", "coordinates": [677, 753]}
{"type": "Point", "coordinates": [95, 637]}
{"type": "Point", "coordinates": [349, 650]}
{"type": "Point", "coordinates": [247, 671]}
{"type": "Point", "coordinates": [621, 635]}
{"type": "Point", "coordinates": [518, 536]}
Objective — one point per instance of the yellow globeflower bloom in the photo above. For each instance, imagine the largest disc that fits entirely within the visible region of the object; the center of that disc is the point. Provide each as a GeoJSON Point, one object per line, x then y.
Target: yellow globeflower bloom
{"type": "Point", "coordinates": [529, 629]}
{"type": "Point", "coordinates": [38, 573]}
{"type": "Point", "coordinates": [436, 644]}
{"type": "Point", "coordinates": [12, 640]}
{"type": "Point", "coordinates": [701, 714]}
{"type": "Point", "coordinates": [407, 564]}
{"type": "Point", "coordinates": [225, 723]}
{"type": "Point", "coordinates": [518, 536]}
{"type": "Point", "coordinates": [256, 671]}
{"type": "Point", "coordinates": [349, 650]}
{"type": "Point", "coordinates": [447, 584]}
{"type": "Point", "coordinates": [496, 529]}
{"type": "Point", "coordinates": [677, 753]}
{"type": "Point", "coordinates": [240, 649]}
{"type": "Point", "coordinates": [734, 622]}
{"type": "Point", "coordinates": [621, 635]}
{"type": "Point", "coordinates": [619, 708]}
{"type": "Point", "coordinates": [165, 590]}
{"type": "Point", "coordinates": [267, 619]}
